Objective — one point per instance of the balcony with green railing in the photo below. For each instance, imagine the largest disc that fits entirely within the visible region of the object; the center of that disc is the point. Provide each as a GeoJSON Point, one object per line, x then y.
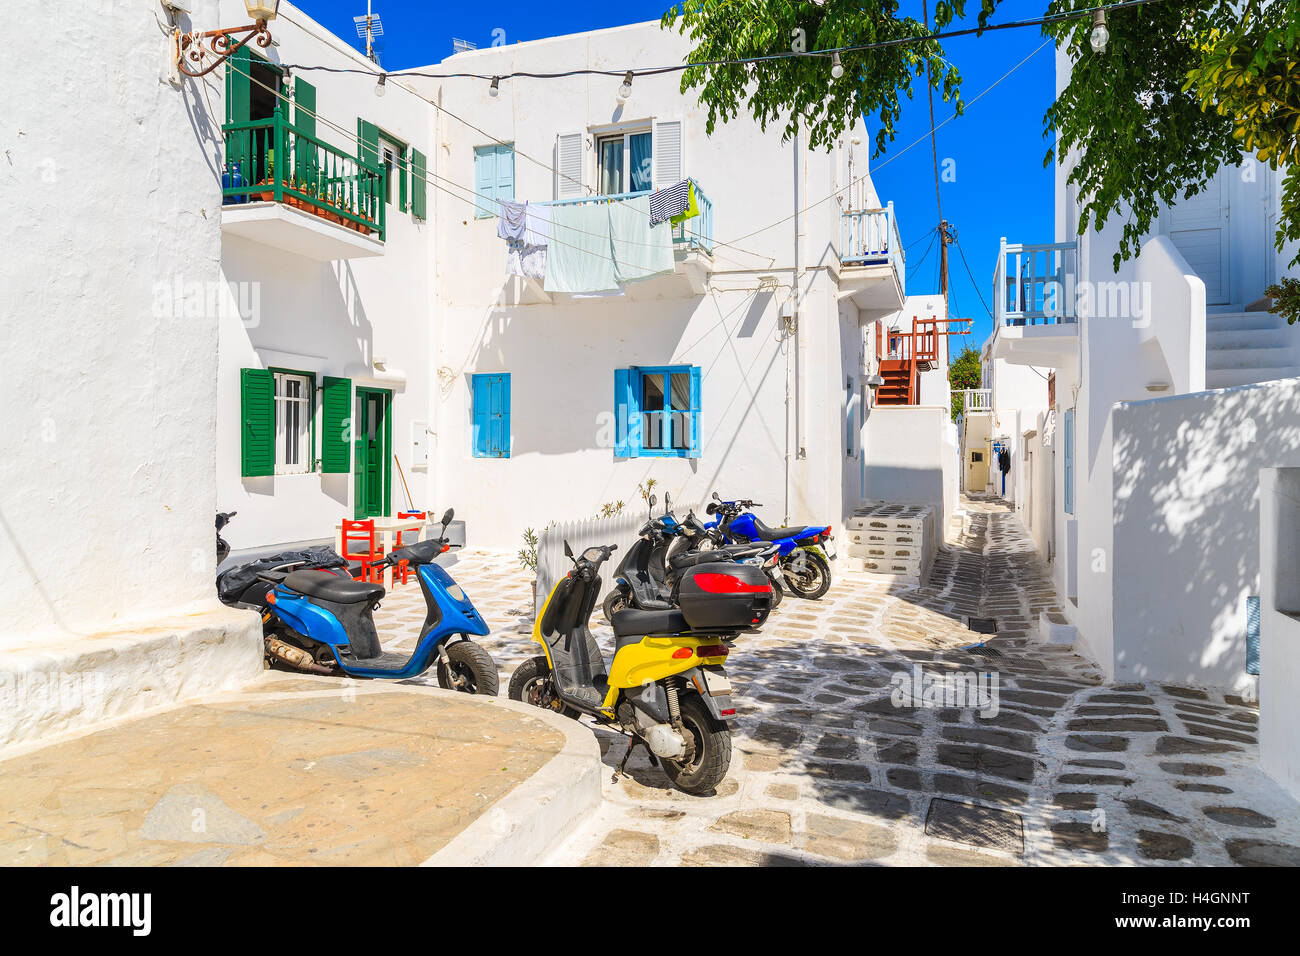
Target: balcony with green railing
{"type": "Point", "coordinates": [269, 161]}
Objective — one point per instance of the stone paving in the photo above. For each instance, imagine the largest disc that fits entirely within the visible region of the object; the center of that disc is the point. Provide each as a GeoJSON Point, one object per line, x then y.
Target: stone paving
{"type": "Point", "coordinates": [833, 764]}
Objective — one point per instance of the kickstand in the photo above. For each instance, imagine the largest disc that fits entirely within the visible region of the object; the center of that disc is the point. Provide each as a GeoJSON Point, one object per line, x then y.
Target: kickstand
{"type": "Point", "coordinates": [622, 764]}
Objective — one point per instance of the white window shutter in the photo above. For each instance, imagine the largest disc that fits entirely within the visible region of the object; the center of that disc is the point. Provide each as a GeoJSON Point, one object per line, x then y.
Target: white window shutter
{"type": "Point", "coordinates": [570, 165]}
{"type": "Point", "coordinates": [666, 153]}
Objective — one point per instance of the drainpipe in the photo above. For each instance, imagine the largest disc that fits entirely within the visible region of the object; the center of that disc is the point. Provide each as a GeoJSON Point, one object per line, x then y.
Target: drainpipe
{"type": "Point", "coordinates": [796, 315]}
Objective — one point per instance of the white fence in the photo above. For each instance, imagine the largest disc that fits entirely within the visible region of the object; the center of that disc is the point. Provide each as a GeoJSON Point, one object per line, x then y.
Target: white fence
{"type": "Point", "coordinates": [587, 532]}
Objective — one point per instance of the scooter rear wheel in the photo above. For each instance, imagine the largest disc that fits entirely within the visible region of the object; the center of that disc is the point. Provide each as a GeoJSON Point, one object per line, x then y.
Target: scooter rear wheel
{"type": "Point", "coordinates": [616, 600]}
{"type": "Point", "coordinates": [472, 670]}
{"type": "Point", "coordinates": [712, 756]}
{"type": "Point", "coordinates": [815, 578]}
{"type": "Point", "coordinates": [532, 683]}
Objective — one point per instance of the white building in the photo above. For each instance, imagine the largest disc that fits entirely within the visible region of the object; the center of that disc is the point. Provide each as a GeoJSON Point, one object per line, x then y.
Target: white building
{"type": "Point", "coordinates": [1153, 534]}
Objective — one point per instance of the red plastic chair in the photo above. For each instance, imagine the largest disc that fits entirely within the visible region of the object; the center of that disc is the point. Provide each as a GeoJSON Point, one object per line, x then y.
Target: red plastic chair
{"type": "Point", "coordinates": [402, 566]}
{"type": "Point", "coordinates": [355, 534]}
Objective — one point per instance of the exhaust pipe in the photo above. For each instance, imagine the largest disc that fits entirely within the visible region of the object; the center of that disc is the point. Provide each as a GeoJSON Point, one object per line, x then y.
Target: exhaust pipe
{"type": "Point", "coordinates": [294, 657]}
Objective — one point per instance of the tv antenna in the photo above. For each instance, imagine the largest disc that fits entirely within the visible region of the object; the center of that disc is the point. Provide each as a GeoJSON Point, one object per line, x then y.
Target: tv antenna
{"type": "Point", "coordinates": [369, 27]}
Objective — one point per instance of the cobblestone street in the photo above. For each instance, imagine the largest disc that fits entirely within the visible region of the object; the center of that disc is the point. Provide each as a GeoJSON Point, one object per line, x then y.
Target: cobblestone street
{"type": "Point", "coordinates": [828, 768]}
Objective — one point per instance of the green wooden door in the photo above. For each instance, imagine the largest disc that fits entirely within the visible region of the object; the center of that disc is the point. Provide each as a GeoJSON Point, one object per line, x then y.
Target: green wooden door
{"type": "Point", "coordinates": [371, 456]}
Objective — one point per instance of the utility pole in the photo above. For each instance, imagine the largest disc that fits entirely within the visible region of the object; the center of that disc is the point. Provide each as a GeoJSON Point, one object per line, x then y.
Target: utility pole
{"type": "Point", "coordinates": [945, 240]}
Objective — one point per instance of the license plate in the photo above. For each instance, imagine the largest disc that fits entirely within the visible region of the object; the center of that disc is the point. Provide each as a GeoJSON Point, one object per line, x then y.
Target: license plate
{"type": "Point", "coordinates": [717, 684]}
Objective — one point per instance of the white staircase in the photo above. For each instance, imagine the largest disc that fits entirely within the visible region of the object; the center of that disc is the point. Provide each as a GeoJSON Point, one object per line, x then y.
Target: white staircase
{"type": "Point", "coordinates": [1246, 347]}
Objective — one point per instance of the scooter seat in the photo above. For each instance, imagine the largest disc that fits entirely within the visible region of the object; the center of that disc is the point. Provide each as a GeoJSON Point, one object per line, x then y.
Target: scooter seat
{"type": "Point", "coordinates": [633, 621]}
{"type": "Point", "coordinates": [778, 534]}
{"type": "Point", "coordinates": [689, 559]}
{"type": "Point", "coordinates": [332, 588]}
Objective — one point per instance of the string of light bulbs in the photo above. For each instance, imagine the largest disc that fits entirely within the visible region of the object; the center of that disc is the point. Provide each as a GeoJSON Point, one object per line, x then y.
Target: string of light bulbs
{"type": "Point", "coordinates": [1099, 37]}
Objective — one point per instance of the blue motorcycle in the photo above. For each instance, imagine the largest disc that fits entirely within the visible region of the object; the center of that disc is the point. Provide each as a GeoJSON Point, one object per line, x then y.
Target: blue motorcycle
{"type": "Point", "coordinates": [322, 622]}
{"type": "Point", "coordinates": [804, 562]}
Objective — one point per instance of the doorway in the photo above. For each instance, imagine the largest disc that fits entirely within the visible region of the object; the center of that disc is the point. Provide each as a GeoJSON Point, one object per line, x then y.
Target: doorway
{"type": "Point", "coordinates": [1198, 227]}
{"type": "Point", "coordinates": [371, 459]}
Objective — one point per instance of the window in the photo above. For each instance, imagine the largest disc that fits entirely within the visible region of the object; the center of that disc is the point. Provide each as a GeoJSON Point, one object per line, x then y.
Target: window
{"type": "Point", "coordinates": [490, 415]}
{"type": "Point", "coordinates": [494, 177]}
{"type": "Point", "coordinates": [392, 156]}
{"type": "Point", "coordinates": [657, 411]}
{"type": "Point", "coordinates": [1067, 443]}
{"type": "Point", "coordinates": [625, 162]}
{"type": "Point", "coordinates": [293, 417]}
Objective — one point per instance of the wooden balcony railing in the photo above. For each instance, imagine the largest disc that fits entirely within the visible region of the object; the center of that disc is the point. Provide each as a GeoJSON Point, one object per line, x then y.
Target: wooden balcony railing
{"type": "Point", "coordinates": [869, 237]}
{"type": "Point", "coordinates": [1034, 285]}
{"type": "Point", "coordinates": [269, 160]}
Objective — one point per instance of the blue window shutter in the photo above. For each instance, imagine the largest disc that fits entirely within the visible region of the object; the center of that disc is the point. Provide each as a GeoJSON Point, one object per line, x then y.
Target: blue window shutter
{"type": "Point", "coordinates": [1252, 635]}
{"type": "Point", "coordinates": [505, 172]}
{"type": "Point", "coordinates": [484, 180]}
{"type": "Point", "coordinates": [500, 412]}
{"type": "Point", "coordinates": [1068, 442]}
{"type": "Point", "coordinates": [695, 413]}
{"type": "Point", "coordinates": [627, 412]}
{"type": "Point", "coordinates": [479, 411]}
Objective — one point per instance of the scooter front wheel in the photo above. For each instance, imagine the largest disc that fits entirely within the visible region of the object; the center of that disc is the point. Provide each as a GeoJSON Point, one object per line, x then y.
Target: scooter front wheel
{"type": "Point", "coordinates": [616, 600]}
{"type": "Point", "coordinates": [807, 573]}
{"type": "Point", "coordinates": [532, 683]}
{"type": "Point", "coordinates": [472, 669]}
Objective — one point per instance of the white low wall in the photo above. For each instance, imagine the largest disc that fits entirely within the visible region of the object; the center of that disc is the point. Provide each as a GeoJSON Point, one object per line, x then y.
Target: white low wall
{"type": "Point", "coordinates": [1279, 571]}
{"type": "Point", "coordinates": [911, 457]}
{"type": "Point", "coordinates": [1186, 527]}
{"type": "Point", "coordinates": [1171, 328]}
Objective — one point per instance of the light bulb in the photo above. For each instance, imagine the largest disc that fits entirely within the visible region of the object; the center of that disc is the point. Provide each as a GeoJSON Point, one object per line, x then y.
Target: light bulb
{"type": "Point", "coordinates": [625, 90]}
{"type": "Point", "coordinates": [381, 87]}
{"type": "Point", "coordinates": [837, 68]}
{"type": "Point", "coordinates": [1100, 35]}
{"type": "Point", "coordinates": [495, 88]}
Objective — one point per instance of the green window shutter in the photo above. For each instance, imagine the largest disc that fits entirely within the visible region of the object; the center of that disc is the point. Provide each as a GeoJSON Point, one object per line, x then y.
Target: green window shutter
{"type": "Point", "coordinates": [419, 185]}
{"type": "Point", "coordinates": [257, 422]}
{"type": "Point", "coordinates": [239, 109]}
{"type": "Point", "coordinates": [368, 152]}
{"type": "Point", "coordinates": [304, 121]}
{"type": "Point", "coordinates": [336, 425]}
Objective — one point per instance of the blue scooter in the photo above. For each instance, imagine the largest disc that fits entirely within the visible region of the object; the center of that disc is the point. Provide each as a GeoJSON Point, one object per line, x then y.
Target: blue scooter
{"type": "Point", "coordinates": [804, 563]}
{"type": "Point", "coordinates": [321, 622]}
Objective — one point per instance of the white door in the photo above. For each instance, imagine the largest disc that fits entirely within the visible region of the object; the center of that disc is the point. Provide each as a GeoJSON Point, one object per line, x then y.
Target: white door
{"type": "Point", "coordinates": [1198, 227]}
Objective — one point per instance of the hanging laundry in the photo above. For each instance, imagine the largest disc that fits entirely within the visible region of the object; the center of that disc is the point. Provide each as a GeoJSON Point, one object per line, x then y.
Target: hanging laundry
{"type": "Point", "coordinates": [641, 250]}
{"type": "Point", "coordinates": [523, 259]}
{"type": "Point", "coordinates": [692, 208]}
{"type": "Point", "coordinates": [537, 224]}
{"type": "Point", "coordinates": [670, 202]}
{"type": "Point", "coordinates": [579, 254]}
{"type": "Point", "coordinates": [512, 220]}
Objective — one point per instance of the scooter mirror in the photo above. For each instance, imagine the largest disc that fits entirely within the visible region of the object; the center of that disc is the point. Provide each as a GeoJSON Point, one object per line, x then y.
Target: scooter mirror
{"type": "Point", "coordinates": [654, 500]}
{"type": "Point", "coordinates": [668, 502]}
{"type": "Point", "coordinates": [568, 551]}
{"type": "Point", "coordinates": [715, 497]}
{"type": "Point", "coordinates": [447, 516]}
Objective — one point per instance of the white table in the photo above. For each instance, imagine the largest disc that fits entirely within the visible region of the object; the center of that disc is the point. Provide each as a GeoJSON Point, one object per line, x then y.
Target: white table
{"type": "Point", "coordinates": [387, 530]}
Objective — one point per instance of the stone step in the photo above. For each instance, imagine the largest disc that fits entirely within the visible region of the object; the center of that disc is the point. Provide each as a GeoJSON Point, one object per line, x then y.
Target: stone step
{"type": "Point", "coordinates": [1247, 338]}
{"type": "Point", "coordinates": [1229, 377]}
{"type": "Point", "coordinates": [1237, 321]}
{"type": "Point", "coordinates": [1250, 358]}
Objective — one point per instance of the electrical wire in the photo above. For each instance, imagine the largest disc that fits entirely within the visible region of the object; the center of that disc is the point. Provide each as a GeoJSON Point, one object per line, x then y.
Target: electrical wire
{"type": "Point", "coordinates": [929, 36]}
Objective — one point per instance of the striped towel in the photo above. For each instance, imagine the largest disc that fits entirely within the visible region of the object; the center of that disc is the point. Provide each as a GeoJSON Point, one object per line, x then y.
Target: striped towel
{"type": "Point", "coordinates": [669, 202]}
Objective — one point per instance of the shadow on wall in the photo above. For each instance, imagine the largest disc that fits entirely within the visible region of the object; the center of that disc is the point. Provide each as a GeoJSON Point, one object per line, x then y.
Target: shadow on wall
{"type": "Point", "coordinates": [1186, 543]}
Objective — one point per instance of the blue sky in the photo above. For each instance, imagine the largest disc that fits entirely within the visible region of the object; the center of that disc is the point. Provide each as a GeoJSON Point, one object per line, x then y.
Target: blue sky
{"type": "Point", "coordinates": [995, 151]}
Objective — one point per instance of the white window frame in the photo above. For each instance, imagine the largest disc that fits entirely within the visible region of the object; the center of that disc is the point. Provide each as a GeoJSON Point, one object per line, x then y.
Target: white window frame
{"type": "Point", "coordinates": [626, 135]}
{"type": "Point", "coordinates": [302, 440]}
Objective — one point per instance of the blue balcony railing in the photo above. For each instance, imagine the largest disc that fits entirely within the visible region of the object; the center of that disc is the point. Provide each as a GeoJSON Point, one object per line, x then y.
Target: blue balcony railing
{"type": "Point", "coordinates": [870, 237]}
{"type": "Point", "coordinates": [696, 233]}
{"type": "Point", "coordinates": [1035, 285]}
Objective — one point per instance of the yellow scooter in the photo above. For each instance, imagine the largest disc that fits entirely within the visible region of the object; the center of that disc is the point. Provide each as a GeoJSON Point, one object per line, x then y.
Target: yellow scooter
{"type": "Point", "coordinates": [666, 687]}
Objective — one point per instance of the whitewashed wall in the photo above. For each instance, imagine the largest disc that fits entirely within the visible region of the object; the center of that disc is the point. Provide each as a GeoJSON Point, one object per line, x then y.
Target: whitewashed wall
{"type": "Point", "coordinates": [106, 487]}
{"type": "Point", "coordinates": [562, 355]}
{"type": "Point", "coordinates": [1186, 527]}
{"type": "Point", "coordinates": [330, 318]}
{"type": "Point", "coordinates": [1279, 572]}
